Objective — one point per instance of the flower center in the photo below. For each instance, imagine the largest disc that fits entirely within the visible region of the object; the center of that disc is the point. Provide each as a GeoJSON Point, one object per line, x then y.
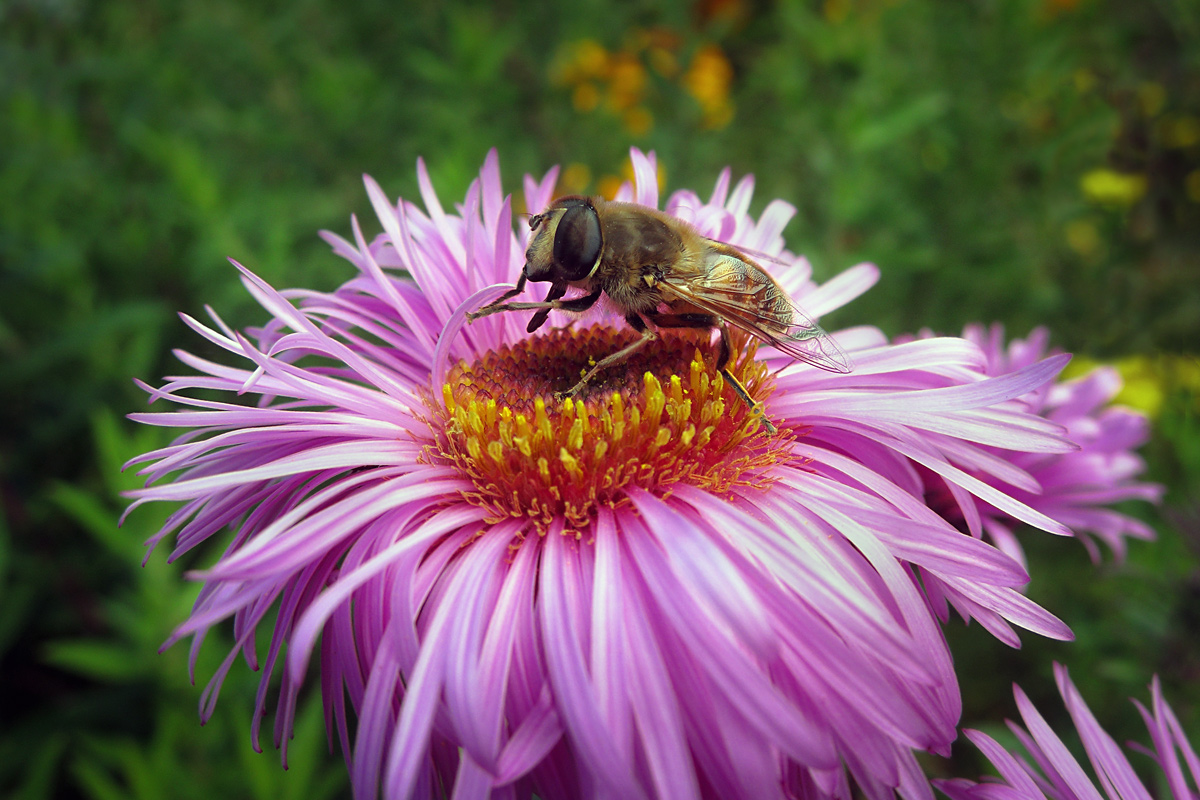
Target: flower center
{"type": "Point", "coordinates": [662, 417]}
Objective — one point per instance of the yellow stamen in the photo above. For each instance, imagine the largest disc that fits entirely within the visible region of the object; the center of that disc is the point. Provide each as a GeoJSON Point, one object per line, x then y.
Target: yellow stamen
{"type": "Point", "coordinates": [656, 420]}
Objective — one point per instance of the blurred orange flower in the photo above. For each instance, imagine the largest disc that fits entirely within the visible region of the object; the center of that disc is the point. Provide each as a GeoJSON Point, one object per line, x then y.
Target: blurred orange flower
{"type": "Point", "coordinates": [619, 81]}
{"type": "Point", "coordinates": [709, 79]}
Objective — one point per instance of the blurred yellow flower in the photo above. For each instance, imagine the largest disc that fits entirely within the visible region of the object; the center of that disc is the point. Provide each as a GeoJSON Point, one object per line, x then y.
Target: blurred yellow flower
{"type": "Point", "coordinates": [627, 82]}
{"type": "Point", "coordinates": [1179, 130]}
{"type": "Point", "coordinates": [1149, 382]}
{"type": "Point", "coordinates": [619, 81]}
{"type": "Point", "coordinates": [585, 96]}
{"type": "Point", "coordinates": [609, 185]}
{"type": "Point", "coordinates": [835, 10]}
{"type": "Point", "coordinates": [638, 120]}
{"type": "Point", "coordinates": [1083, 238]}
{"type": "Point", "coordinates": [1143, 389]}
{"type": "Point", "coordinates": [1109, 187]}
{"type": "Point", "coordinates": [657, 38]}
{"type": "Point", "coordinates": [1152, 97]}
{"type": "Point", "coordinates": [592, 57]}
{"type": "Point", "coordinates": [574, 179]}
{"type": "Point", "coordinates": [708, 79]}
{"type": "Point", "coordinates": [583, 60]}
{"type": "Point", "coordinates": [1085, 80]}
{"type": "Point", "coordinates": [1192, 185]}
{"type": "Point", "coordinates": [663, 61]}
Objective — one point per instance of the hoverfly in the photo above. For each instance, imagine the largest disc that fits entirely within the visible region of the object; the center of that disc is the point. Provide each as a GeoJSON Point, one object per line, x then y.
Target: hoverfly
{"type": "Point", "coordinates": [660, 273]}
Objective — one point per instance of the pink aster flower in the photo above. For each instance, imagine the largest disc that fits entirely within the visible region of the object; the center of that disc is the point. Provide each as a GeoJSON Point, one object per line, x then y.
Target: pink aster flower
{"type": "Point", "coordinates": [1074, 487]}
{"type": "Point", "coordinates": [637, 592]}
{"type": "Point", "coordinates": [1056, 775]}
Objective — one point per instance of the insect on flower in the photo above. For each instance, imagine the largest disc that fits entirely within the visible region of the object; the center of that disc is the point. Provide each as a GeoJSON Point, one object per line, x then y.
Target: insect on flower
{"type": "Point", "coordinates": [660, 273]}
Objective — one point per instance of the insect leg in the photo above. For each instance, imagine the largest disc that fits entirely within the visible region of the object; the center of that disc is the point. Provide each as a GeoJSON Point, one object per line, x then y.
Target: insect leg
{"type": "Point", "coordinates": [556, 291]}
{"type": "Point", "coordinates": [709, 321]}
{"type": "Point", "coordinates": [551, 303]}
{"type": "Point", "coordinates": [639, 325]}
{"type": "Point", "coordinates": [498, 305]}
{"type": "Point", "coordinates": [722, 360]}
{"type": "Point", "coordinates": [705, 321]}
{"type": "Point", "coordinates": [682, 320]}
{"type": "Point", "coordinates": [574, 304]}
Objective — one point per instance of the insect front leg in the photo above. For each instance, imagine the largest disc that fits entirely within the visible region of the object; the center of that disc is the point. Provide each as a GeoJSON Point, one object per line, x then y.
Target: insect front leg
{"type": "Point", "coordinates": [639, 325]}
{"type": "Point", "coordinates": [574, 304]}
{"type": "Point", "coordinates": [499, 305]}
{"type": "Point", "coordinates": [551, 303]}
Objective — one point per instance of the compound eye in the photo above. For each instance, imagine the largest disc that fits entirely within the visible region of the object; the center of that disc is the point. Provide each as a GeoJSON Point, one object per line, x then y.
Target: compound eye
{"type": "Point", "coordinates": [577, 241]}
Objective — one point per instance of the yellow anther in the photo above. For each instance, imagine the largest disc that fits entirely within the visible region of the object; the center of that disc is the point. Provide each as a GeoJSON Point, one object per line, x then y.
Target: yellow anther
{"type": "Point", "coordinates": [548, 460]}
{"type": "Point", "coordinates": [664, 436]}
{"type": "Point", "coordinates": [570, 462]}
{"type": "Point", "coordinates": [575, 437]}
{"type": "Point", "coordinates": [688, 434]}
{"type": "Point", "coordinates": [544, 428]}
{"type": "Point", "coordinates": [681, 412]}
{"type": "Point", "coordinates": [505, 426]}
{"type": "Point", "coordinates": [617, 404]}
{"type": "Point", "coordinates": [655, 399]}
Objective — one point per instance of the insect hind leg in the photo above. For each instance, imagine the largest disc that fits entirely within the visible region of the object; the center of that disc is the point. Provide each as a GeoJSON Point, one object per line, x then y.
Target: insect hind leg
{"type": "Point", "coordinates": [723, 354]}
{"type": "Point", "coordinates": [722, 360]}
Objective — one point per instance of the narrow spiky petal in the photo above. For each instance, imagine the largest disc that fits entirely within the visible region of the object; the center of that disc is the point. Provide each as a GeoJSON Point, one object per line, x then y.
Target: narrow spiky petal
{"type": "Point", "coordinates": [1055, 774]}
{"type": "Point", "coordinates": [1072, 488]}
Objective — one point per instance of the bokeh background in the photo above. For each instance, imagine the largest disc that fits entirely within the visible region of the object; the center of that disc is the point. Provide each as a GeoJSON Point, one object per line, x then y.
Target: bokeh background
{"type": "Point", "coordinates": [1024, 161]}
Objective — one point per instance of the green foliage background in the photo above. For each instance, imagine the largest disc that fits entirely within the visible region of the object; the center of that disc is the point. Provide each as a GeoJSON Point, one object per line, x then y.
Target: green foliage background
{"type": "Point", "coordinates": [141, 143]}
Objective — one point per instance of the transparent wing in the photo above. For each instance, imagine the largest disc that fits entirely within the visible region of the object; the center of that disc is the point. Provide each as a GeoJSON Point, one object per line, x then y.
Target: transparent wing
{"type": "Point", "coordinates": [745, 296]}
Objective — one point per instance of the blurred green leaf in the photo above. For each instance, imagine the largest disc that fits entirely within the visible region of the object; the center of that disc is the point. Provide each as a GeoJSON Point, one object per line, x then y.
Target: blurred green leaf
{"type": "Point", "coordinates": [42, 765]}
{"type": "Point", "coordinates": [95, 516]}
{"type": "Point", "coordinates": [875, 134]}
{"type": "Point", "coordinates": [99, 661]}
